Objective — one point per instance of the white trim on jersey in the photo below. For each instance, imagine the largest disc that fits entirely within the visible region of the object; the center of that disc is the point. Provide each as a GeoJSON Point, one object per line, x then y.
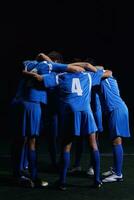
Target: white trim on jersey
{"type": "Point", "coordinates": [108, 82]}
{"type": "Point", "coordinates": [57, 77]}
{"type": "Point", "coordinates": [50, 67]}
{"type": "Point", "coordinates": [90, 82]}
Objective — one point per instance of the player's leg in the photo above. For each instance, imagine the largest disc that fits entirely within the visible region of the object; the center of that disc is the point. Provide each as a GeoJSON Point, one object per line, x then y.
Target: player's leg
{"type": "Point", "coordinates": [118, 155]}
{"type": "Point", "coordinates": [64, 163]}
{"type": "Point", "coordinates": [119, 127]}
{"type": "Point", "coordinates": [117, 161]}
{"type": "Point", "coordinates": [32, 157]}
{"type": "Point", "coordinates": [24, 156]}
{"type": "Point", "coordinates": [79, 146]}
{"type": "Point", "coordinates": [95, 159]}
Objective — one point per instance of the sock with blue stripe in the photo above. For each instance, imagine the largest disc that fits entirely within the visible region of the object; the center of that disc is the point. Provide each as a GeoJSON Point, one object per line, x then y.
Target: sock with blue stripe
{"type": "Point", "coordinates": [64, 166]}
{"type": "Point", "coordinates": [96, 165]}
{"type": "Point", "coordinates": [33, 164]}
{"type": "Point", "coordinates": [118, 158]}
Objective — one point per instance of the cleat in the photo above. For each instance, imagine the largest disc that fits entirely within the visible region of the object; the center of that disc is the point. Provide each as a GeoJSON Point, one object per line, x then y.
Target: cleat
{"type": "Point", "coordinates": [97, 185]}
{"type": "Point", "coordinates": [40, 183]}
{"type": "Point", "coordinates": [25, 173]}
{"type": "Point", "coordinates": [90, 171]}
{"type": "Point", "coordinates": [60, 186]}
{"type": "Point", "coordinates": [113, 178]}
{"type": "Point", "coordinates": [75, 169]}
{"type": "Point", "coordinates": [108, 173]}
{"type": "Point", "coordinates": [26, 182]}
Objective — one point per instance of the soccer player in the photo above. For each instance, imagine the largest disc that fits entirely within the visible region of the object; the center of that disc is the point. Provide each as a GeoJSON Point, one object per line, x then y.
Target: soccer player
{"type": "Point", "coordinates": [76, 115]}
{"type": "Point", "coordinates": [118, 120]}
{"type": "Point", "coordinates": [80, 141]}
{"type": "Point", "coordinates": [97, 113]}
{"type": "Point", "coordinates": [52, 117]}
{"type": "Point", "coordinates": [33, 96]}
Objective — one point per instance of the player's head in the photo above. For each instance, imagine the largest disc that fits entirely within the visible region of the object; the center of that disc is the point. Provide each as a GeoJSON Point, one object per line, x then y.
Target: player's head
{"type": "Point", "coordinates": [40, 57]}
{"type": "Point", "coordinates": [55, 56]}
{"type": "Point", "coordinates": [92, 61]}
{"type": "Point", "coordinates": [75, 59]}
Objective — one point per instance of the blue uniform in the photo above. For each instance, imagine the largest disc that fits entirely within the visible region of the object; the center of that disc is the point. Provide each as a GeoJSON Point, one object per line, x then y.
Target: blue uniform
{"type": "Point", "coordinates": [74, 97]}
{"type": "Point", "coordinates": [97, 110]}
{"type": "Point", "coordinates": [115, 107]}
{"type": "Point", "coordinates": [30, 95]}
{"type": "Point", "coordinates": [33, 95]}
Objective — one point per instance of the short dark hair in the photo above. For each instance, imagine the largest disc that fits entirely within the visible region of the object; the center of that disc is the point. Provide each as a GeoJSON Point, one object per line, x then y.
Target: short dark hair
{"type": "Point", "coordinates": [55, 55]}
{"type": "Point", "coordinates": [92, 61]}
{"type": "Point", "coordinates": [40, 57]}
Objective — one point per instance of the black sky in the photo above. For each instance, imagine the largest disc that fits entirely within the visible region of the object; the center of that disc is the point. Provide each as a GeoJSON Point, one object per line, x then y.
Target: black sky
{"type": "Point", "coordinates": [96, 28]}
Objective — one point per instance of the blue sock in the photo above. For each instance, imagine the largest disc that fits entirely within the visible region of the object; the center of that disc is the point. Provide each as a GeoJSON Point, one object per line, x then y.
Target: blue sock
{"type": "Point", "coordinates": [118, 158]}
{"type": "Point", "coordinates": [25, 163]}
{"type": "Point", "coordinates": [22, 158]}
{"type": "Point", "coordinates": [96, 165]}
{"type": "Point", "coordinates": [64, 166]}
{"type": "Point", "coordinates": [33, 164]}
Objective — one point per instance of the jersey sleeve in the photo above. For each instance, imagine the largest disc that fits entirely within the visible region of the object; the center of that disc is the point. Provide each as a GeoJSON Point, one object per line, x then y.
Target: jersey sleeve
{"type": "Point", "coordinates": [50, 80]}
{"type": "Point", "coordinates": [59, 67]}
{"type": "Point", "coordinates": [96, 77]}
{"type": "Point", "coordinates": [29, 65]}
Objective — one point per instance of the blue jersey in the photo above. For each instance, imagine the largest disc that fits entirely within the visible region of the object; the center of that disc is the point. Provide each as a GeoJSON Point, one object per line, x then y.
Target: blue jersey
{"type": "Point", "coordinates": [44, 67]}
{"type": "Point", "coordinates": [74, 88]}
{"type": "Point", "coordinates": [34, 92]}
{"type": "Point", "coordinates": [110, 95]}
{"type": "Point", "coordinates": [118, 116]}
{"type": "Point", "coordinates": [96, 108]}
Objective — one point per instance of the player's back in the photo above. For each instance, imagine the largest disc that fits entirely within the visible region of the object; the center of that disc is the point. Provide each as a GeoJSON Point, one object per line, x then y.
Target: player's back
{"type": "Point", "coordinates": [75, 90]}
{"type": "Point", "coordinates": [110, 94]}
{"type": "Point", "coordinates": [33, 91]}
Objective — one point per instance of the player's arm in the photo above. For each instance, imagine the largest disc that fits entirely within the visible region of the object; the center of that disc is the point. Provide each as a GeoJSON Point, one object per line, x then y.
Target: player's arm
{"type": "Point", "coordinates": [86, 66]}
{"type": "Point", "coordinates": [60, 67]}
{"type": "Point", "coordinates": [43, 57]}
{"type": "Point", "coordinates": [46, 80]}
{"type": "Point", "coordinates": [28, 74]}
{"type": "Point", "coordinates": [107, 73]}
{"type": "Point", "coordinates": [74, 68]}
{"type": "Point", "coordinates": [32, 75]}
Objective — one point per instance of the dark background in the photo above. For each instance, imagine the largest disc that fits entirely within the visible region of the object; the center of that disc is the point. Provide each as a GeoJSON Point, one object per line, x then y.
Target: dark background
{"type": "Point", "coordinates": [101, 29]}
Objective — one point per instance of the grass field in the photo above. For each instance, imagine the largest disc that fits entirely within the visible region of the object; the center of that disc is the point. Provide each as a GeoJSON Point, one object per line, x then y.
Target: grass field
{"type": "Point", "coordinates": [78, 186]}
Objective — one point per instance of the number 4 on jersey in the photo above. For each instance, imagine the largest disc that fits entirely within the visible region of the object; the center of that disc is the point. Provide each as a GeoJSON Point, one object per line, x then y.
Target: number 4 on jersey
{"type": "Point", "coordinates": [76, 87]}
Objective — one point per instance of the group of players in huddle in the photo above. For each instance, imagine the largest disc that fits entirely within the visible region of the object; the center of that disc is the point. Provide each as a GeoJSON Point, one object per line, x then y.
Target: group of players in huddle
{"type": "Point", "coordinates": [74, 96]}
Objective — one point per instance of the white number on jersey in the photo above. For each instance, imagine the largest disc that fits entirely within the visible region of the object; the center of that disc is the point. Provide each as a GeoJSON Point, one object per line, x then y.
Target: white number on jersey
{"type": "Point", "coordinates": [76, 87]}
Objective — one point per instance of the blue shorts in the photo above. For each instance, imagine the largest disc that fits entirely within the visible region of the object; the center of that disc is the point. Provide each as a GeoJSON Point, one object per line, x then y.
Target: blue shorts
{"type": "Point", "coordinates": [119, 122]}
{"type": "Point", "coordinates": [98, 120]}
{"type": "Point", "coordinates": [31, 123]}
{"type": "Point", "coordinates": [78, 123]}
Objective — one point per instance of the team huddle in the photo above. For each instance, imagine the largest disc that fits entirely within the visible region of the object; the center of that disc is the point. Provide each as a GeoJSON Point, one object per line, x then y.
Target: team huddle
{"type": "Point", "coordinates": [73, 97]}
